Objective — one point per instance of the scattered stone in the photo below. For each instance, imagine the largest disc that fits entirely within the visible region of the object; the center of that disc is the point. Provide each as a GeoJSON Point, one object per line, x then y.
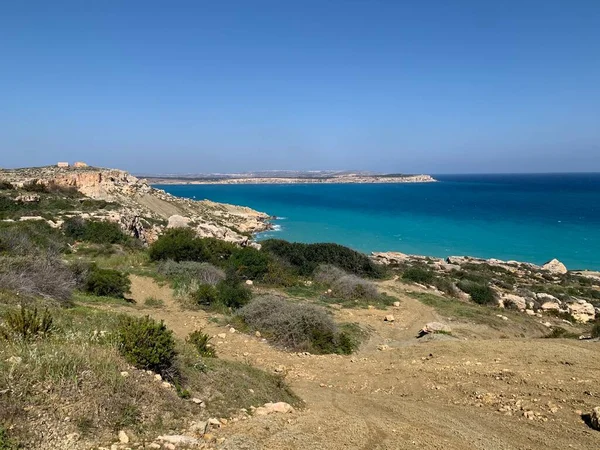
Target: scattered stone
{"type": "Point", "coordinates": [389, 318]}
{"type": "Point", "coordinates": [123, 438]}
{"type": "Point", "coordinates": [383, 347]}
{"type": "Point", "coordinates": [177, 221]}
{"type": "Point", "coordinates": [396, 304]}
{"type": "Point", "coordinates": [157, 377]}
{"type": "Point", "coordinates": [197, 401]}
{"type": "Point", "coordinates": [167, 385]}
{"type": "Point", "coordinates": [232, 330]}
{"type": "Point", "coordinates": [124, 374]}
{"type": "Point", "coordinates": [215, 423]}
{"type": "Point", "coordinates": [198, 427]}
{"type": "Point", "coordinates": [154, 445]}
{"type": "Point", "coordinates": [222, 335]}
{"type": "Point", "coordinates": [530, 312]}
{"type": "Point", "coordinates": [249, 282]}
{"type": "Point", "coordinates": [550, 306]}
{"type": "Point", "coordinates": [257, 334]}
{"type": "Point", "coordinates": [280, 369]}
{"type": "Point", "coordinates": [516, 301]}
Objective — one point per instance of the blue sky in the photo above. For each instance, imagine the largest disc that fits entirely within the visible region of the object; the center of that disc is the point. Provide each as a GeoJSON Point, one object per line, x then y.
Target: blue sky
{"type": "Point", "coordinates": [393, 86]}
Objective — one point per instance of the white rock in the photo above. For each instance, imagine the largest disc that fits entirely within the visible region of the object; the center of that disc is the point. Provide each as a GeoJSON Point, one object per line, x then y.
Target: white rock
{"type": "Point", "coordinates": [257, 334]}
{"type": "Point", "coordinates": [123, 438]}
{"type": "Point", "coordinates": [396, 304]}
{"type": "Point", "coordinates": [555, 266]}
{"type": "Point", "coordinates": [177, 221]}
{"type": "Point", "coordinates": [124, 374]}
{"type": "Point", "coordinates": [270, 408]}
{"type": "Point", "coordinates": [222, 335]}
{"type": "Point", "coordinates": [550, 306]}
{"type": "Point", "coordinates": [530, 312]}
{"type": "Point", "coordinates": [389, 318]}
{"type": "Point", "coordinates": [157, 377]}
{"type": "Point", "coordinates": [517, 301]}
{"type": "Point", "coordinates": [179, 439]}
{"type": "Point", "coordinates": [232, 330]}
{"type": "Point", "coordinates": [249, 282]}
{"type": "Point", "coordinates": [434, 327]}
{"type": "Point", "coordinates": [582, 311]}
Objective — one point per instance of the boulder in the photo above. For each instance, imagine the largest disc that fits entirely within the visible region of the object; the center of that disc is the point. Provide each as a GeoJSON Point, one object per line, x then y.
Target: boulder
{"type": "Point", "coordinates": [177, 221]}
{"type": "Point", "coordinates": [541, 296]}
{"type": "Point", "coordinates": [595, 418]}
{"type": "Point", "coordinates": [515, 300]}
{"type": "Point", "coordinates": [550, 306]}
{"type": "Point", "coordinates": [582, 311]}
{"type": "Point", "coordinates": [433, 328]}
{"type": "Point", "coordinates": [178, 439]}
{"type": "Point", "coordinates": [556, 267]}
{"type": "Point", "coordinates": [270, 408]}
{"type": "Point", "coordinates": [389, 318]}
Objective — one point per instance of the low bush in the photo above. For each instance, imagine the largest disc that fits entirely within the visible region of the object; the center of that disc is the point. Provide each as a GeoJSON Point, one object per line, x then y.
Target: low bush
{"type": "Point", "coordinates": [344, 285]}
{"type": "Point", "coordinates": [480, 293]}
{"type": "Point", "coordinates": [295, 326]}
{"type": "Point", "coordinates": [107, 283]}
{"type": "Point", "coordinates": [147, 344]}
{"type": "Point", "coordinates": [201, 342]}
{"type": "Point", "coordinates": [30, 237]}
{"type": "Point", "coordinates": [250, 263]}
{"type": "Point", "coordinates": [418, 275]}
{"type": "Point", "coordinates": [95, 231]}
{"type": "Point", "coordinates": [280, 274]}
{"type": "Point", "coordinates": [182, 244]}
{"type": "Point", "coordinates": [233, 294]}
{"type": "Point", "coordinates": [6, 186]}
{"type": "Point", "coordinates": [42, 275]}
{"type": "Point", "coordinates": [205, 295]}
{"type": "Point", "coordinates": [26, 324]}
{"type": "Point", "coordinates": [307, 257]}
{"type": "Point", "coordinates": [202, 272]}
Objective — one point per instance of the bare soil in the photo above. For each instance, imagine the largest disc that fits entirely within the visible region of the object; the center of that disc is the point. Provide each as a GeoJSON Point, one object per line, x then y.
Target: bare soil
{"type": "Point", "coordinates": [474, 389]}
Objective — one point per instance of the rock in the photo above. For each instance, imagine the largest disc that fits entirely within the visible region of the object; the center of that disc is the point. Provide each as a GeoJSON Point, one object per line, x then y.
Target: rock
{"type": "Point", "coordinates": [28, 198]}
{"type": "Point", "coordinates": [222, 335]}
{"type": "Point", "coordinates": [232, 330]}
{"type": "Point", "coordinates": [530, 312]}
{"type": "Point", "coordinates": [123, 438]}
{"type": "Point", "coordinates": [178, 439]}
{"type": "Point", "coordinates": [383, 347]}
{"type": "Point", "coordinates": [177, 221]}
{"type": "Point", "coordinates": [582, 311]}
{"type": "Point", "coordinates": [543, 297]}
{"type": "Point", "coordinates": [270, 408]}
{"type": "Point", "coordinates": [555, 267]}
{"type": "Point", "coordinates": [124, 374]}
{"type": "Point", "coordinates": [516, 301]}
{"type": "Point", "coordinates": [199, 427]}
{"type": "Point", "coordinates": [257, 334]}
{"type": "Point", "coordinates": [433, 328]}
{"type": "Point", "coordinates": [396, 304]}
{"type": "Point", "coordinates": [157, 377]}
{"type": "Point", "coordinates": [389, 318]}
{"type": "Point", "coordinates": [280, 369]}
{"type": "Point", "coordinates": [215, 423]}
{"type": "Point", "coordinates": [197, 401]}
{"type": "Point", "coordinates": [550, 306]}
{"type": "Point", "coordinates": [249, 282]}
{"type": "Point", "coordinates": [154, 445]}
{"type": "Point", "coordinates": [595, 418]}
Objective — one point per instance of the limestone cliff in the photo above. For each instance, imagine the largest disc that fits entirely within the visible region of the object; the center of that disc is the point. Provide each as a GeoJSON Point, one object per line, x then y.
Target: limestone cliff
{"type": "Point", "coordinates": [143, 210]}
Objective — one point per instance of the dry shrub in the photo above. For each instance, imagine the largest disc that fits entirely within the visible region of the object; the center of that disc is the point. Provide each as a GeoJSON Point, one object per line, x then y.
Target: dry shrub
{"type": "Point", "coordinates": [345, 285]}
{"type": "Point", "coordinates": [295, 326]}
{"type": "Point", "coordinates": [202, 273]}
{"type": "Point", "coordinates": [44, 276]}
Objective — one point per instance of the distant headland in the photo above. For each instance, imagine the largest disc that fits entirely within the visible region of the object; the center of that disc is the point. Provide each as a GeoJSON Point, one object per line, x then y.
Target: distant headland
{"type": "Point", "coordinates": [290, 177]}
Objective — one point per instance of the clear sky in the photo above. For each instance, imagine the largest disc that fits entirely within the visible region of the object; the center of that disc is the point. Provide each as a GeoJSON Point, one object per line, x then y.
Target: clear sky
{"type": "Point", "coordinates": [393, 86]}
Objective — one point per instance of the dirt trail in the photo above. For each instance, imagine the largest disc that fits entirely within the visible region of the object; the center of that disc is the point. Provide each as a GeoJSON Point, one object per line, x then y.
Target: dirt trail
{"type": "Point", "coordinates": [434, 394]}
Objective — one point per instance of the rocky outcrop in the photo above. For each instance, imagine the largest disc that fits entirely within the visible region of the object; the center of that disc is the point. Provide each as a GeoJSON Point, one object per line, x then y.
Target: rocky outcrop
{"type": "Point", "coordinates": [555, 267]}
{"type": "Point", "coordinates": [144, 211]}
{"type": "Point", "coordinates": [582, 311]}
{"type": "Point", "coordinates": [433, 328]}
{"type": "Point", "coordinates": [514, 301]}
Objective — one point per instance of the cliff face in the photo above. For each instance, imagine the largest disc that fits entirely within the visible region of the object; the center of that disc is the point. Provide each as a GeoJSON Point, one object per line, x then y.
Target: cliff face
{"type": "Point", "coordinates": [144, 211]}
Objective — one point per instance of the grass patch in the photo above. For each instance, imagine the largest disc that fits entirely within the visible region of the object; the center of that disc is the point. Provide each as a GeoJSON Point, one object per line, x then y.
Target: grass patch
{"type": "Point", "coordinates": [152, 302]}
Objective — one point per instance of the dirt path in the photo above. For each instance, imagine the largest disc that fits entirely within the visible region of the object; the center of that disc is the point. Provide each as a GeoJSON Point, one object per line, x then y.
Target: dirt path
{"type": "Point", "coordinates": [435, 394]}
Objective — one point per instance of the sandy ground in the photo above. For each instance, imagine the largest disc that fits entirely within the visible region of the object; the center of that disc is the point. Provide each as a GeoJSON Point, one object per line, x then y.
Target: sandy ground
{"type": "Point", "coordinates": [443, 393]}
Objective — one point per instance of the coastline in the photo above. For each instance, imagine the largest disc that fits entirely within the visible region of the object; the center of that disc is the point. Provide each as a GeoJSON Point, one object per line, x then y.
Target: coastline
{"type": "Point", "coordinates": [342, 179]}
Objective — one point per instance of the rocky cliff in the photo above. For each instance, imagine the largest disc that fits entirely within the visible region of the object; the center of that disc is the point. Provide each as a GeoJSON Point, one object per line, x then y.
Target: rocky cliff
{"type": "Point", "coordinates": [143, 210]}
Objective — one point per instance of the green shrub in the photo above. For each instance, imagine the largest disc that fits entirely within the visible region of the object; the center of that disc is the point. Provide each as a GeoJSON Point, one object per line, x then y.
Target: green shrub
{"type": "Point", "coordinates": [233, 294]}
{"type": "Point", "coordinates": [279, 274]}
{"type": "Point", "coordinates": [147, 344]}
{"type": "Point", "coordinates": [107, 283]}
{"type": "Point", "coordinates": [201, 342]}
{"type": "Point", "coordinates": [344, 285]}
{"type": "Point", "coordinates": [480, 293]}
{"type": "Point", "coordinates": [30, 237]}
{"type": "Point", "coordinates": [250, 263]}
{"type": "Point", "coordinates": [595, 332]}
{"type": "Point", "coordinates": [26, 324]}
{"type": "Point", "coordinates": [561, 333]}
{"type": "Point", "coordinates": [205, 295]}
{"type": "Point", "coordinates": [6, 186]}
{"type": "Point", "coordinates": [6, 443]}
{"type": "Point", "coordinates": [418, 275]}
{"type": "Point", "coordinates": [306, 257]}
{"type": "Point", "coordinates": [95, 231]}
{"type": "Point", "coordinates": [181, 244]}
{"type": "Point", "coordinates": [295, 326]}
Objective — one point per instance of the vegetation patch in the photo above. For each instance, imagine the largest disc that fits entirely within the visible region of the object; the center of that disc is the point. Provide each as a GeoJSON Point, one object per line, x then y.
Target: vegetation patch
{"type": "Point", "coordinates": [26, 324]}
{"type": "Point", "coordinates": [107, 282]}
{"type": "Point", "coordinates": [201, 342]}
{"type": "Point", "coordinates": [296, 326]}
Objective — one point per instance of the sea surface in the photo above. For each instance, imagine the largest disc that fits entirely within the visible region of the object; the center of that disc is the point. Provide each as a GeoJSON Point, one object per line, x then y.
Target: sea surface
{"type": "Point", "coordinates": [530, 218]}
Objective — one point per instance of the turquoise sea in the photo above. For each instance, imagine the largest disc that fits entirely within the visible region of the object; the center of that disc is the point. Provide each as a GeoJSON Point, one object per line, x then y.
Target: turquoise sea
{"type": "Point", "coordinates": [523, 217]}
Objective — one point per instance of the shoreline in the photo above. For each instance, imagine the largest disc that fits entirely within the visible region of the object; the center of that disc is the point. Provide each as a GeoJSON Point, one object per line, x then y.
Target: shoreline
{"type": "Point", "coordinates": [343, 179]}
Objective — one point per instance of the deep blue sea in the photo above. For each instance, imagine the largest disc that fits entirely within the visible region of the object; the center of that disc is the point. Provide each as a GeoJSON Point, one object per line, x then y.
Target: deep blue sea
{"type": "Point", "coordinates": [522, 217]}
